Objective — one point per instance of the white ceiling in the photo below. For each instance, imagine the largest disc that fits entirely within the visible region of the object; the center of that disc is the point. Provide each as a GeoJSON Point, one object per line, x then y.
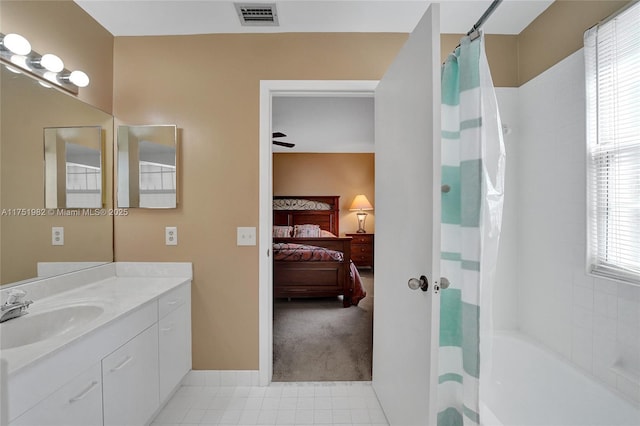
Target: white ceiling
{"type": "Point", "coordinates": [324, 123]}
{"type": "Point", "coordinates": [173, 17]}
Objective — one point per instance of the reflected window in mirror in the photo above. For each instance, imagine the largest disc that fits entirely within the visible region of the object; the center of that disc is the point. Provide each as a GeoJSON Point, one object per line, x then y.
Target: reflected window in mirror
{"type": "Point", "coordinates": [73, 167]}
{"type": "Point", "coordinates": [147, 166]}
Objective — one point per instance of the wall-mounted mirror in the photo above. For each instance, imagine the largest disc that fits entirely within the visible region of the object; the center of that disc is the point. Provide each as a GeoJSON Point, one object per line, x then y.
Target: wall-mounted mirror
{"type": "Point", "coordinates": [147, 166]}
{"type": "Point", "coordinates": [73, 167]}
{"type": "Point", "coordinates": [26, 108]}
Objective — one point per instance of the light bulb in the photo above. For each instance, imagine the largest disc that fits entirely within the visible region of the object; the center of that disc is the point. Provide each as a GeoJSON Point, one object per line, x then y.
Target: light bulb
{"type": "Point", "coordinates": [20, 61]}
{"type": "Point", "coordinates": [51, 63]}
{"type": "Point", "coordinates": [79, 78]}
{"type": "Point", "coordinates": [43, 84]}
{"type": "Point", "coordinates": [51, 76]}
{"type": "Point", "coordinates": [17, 44]}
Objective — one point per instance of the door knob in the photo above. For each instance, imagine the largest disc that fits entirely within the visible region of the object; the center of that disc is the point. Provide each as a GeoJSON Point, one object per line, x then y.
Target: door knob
{"type": "Point", "coordinates": [422, 283]}
{"type": "Point", "coordinates": [444, 283]}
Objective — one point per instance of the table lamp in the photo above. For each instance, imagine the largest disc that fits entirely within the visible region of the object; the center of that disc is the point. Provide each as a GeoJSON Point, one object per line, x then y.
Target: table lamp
{"type": "Point", "coordinates": [360, 204]}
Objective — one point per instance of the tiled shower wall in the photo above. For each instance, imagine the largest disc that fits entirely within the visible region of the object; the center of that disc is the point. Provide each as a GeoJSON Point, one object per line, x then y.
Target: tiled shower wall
{"type": "Point", "coordinates": [593, 322]}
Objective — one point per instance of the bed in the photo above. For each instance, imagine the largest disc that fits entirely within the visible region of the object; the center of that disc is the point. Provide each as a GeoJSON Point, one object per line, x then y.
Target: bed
{"type": "Point", "coordinates": [312, 266]}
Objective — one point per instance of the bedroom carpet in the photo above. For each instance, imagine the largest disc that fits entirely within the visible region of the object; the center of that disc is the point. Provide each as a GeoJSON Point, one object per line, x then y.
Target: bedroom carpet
{"type": "Point", "coordinates": [319, 340]}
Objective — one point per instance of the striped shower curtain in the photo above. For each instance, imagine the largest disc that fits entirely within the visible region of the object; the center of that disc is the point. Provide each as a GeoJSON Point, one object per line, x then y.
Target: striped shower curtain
{"type": "Point", "coordinates": [472, 179]}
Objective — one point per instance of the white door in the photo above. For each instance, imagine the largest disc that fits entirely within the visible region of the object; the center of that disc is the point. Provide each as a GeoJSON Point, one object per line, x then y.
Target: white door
{"type": "Point", "coordinates": [407, 153]}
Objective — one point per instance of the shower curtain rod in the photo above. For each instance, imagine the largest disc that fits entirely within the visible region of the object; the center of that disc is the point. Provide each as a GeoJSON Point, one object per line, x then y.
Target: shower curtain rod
{"type": "Point", "coordinates": [473, 32]}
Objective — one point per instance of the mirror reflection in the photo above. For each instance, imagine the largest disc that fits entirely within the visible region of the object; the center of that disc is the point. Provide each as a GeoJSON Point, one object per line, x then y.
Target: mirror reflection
{"type": "Point", "coordinates": [26, 108]}
{"type": "Point", "coordinates": [73, 167]}
{"type": "Point", "coordinates": [147, 166]}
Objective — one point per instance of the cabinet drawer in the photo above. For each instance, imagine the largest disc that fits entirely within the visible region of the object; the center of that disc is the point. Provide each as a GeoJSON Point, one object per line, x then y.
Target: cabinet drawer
{"type": "Point", "coordinates": [78, 403]}
{"type": "Point", "coordinates": [360, 250]}
{"type": "Point", "coordinates": [173, 299]}
{"type": "Point", "coordinates": [361, 259]}
{"type": "Point", "coordinates": [361, 239]}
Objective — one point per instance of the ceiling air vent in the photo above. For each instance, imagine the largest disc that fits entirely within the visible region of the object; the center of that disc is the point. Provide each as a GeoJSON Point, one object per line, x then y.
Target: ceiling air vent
{"type": "Point", "coordinates": [257, 14]}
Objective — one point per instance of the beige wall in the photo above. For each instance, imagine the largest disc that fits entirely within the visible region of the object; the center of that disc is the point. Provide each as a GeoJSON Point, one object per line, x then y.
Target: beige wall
{"type": "Point", "coordinates": [557, 33]}
{"type": "Point", "coordinates": [502, 55]}
{"type": "Point", "coordinates": [346, 175]}
{"type": "Point", "coordinates": [63, 28]}
{"type": "Point", "coordinates": [209, 86]}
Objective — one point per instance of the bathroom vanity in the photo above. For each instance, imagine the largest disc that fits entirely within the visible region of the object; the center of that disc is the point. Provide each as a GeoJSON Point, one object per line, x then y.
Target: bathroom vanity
{"type": "Point", "coordinates": [103, 346]}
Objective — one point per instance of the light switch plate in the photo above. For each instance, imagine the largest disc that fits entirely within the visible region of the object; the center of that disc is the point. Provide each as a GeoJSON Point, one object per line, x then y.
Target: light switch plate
{"type": "Point", "coordinates": [57, 236]}
{"type": "Point", "coordinates": [246, 235]}
{"type": "Point", "coordinates": [171, 236]}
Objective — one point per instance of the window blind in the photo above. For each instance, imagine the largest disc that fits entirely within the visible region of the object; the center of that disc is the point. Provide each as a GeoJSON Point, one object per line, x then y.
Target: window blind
{"type": "Point", "coordinates": [612, 61]}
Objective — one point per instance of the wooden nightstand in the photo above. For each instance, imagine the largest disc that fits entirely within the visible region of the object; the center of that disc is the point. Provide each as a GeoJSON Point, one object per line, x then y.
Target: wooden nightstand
{"type": "Point", "coordinates": [362, 249]}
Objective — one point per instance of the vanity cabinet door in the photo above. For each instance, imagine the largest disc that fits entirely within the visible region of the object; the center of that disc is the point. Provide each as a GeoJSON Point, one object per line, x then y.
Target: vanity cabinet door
{"type": "Point", "coordinates": [175, 350]}
{"type": "Point", "coordinates": [78, 403]}
{"type": "Point", "coordinates": [130, 381]}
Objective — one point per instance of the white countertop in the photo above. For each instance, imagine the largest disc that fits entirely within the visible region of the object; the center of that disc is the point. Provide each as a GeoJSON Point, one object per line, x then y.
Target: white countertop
{"type": "Point", "coordinates": [116, 295]}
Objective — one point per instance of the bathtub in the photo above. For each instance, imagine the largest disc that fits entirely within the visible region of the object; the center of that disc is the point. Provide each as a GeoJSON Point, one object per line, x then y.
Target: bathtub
{"type": "Point", "coordinates": [530, 386]}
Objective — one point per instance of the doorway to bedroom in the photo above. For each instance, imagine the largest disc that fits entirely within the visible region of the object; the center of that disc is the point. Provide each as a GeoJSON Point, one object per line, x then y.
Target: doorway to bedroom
{"type": "Point", "coordinates": [323, 158]}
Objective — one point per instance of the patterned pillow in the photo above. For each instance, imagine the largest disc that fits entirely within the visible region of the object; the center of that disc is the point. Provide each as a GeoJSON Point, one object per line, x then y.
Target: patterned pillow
{"type": "Point", "coordinates": [282, 231]}
{"type": "Point", "coordinates": [306, 231]}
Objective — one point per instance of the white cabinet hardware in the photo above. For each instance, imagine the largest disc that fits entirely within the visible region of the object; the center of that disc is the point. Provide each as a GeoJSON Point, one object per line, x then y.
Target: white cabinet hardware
{"type": "Point", "coordinates": [122, 364]}
{"type": "Point", "coordinates": [84, 393]}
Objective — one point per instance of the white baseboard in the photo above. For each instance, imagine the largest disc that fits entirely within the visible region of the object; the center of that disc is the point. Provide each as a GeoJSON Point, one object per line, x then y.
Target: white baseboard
{"type": "Point", "coordinates": [222, 378]}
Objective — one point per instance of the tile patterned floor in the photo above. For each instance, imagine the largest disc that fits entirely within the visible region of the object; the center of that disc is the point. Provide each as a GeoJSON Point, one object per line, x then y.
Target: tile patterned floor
{"type": "Point", "coordinates": [328, 403]}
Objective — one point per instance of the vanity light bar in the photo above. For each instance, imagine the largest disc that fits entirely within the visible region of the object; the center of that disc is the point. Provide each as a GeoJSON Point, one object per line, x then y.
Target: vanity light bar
{"type": "Point", "coordinates": [16, 53]}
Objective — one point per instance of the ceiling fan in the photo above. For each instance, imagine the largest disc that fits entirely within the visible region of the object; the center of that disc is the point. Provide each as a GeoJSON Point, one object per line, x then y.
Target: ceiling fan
{"type": "Point", "coordinates": [281, 135]}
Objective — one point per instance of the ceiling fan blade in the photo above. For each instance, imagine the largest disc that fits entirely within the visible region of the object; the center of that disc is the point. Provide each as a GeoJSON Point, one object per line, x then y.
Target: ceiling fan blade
{"type": "Point", "coordinates": [285, 144]}
{"type": "Point", "coordinates": [278, 135]}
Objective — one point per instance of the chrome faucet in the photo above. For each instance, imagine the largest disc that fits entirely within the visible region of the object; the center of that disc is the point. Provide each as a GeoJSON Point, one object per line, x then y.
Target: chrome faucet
{"type": "Point", "coordinates": [15, 306]}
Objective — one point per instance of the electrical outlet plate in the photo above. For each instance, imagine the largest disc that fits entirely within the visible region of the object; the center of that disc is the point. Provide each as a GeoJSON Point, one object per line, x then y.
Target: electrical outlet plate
{"type": "Point", "coordinates": [171, 236]}
{"type": "Point", "coordinates": [246, 235]}
{"type": "Point", "coordinates": [57, 236]}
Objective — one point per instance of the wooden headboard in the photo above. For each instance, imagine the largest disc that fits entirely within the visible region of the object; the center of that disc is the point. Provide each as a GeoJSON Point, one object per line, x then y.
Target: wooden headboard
{"type": "Point", "coordinates": [328, 218]}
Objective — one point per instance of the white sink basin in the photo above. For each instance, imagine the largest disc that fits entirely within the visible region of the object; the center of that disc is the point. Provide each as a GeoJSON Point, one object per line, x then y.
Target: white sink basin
{"type": "Point", "coordinates": [35, 327]}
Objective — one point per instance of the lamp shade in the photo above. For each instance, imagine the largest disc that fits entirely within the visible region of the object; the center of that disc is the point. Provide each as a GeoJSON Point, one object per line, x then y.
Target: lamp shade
{"type": "Point", "coordinates": [361, 203]}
